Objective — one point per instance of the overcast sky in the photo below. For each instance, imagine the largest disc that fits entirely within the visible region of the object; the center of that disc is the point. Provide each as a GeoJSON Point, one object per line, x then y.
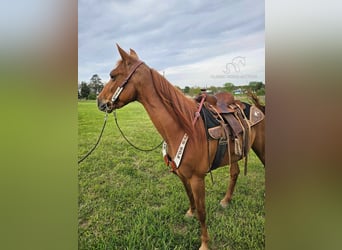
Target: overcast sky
{"type": "Point", "coordinates": [194, 43]}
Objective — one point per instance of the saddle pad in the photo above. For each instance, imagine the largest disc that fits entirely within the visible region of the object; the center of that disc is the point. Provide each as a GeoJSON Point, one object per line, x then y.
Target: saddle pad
{"type": "Point", "coordinates": [221, 150]}
{"type": "Point", "coordinates": [213, 125]}
{"type": "Point", "coordinates": [208, 117]}
{"type": "Point", "coordinates": [247, 109]}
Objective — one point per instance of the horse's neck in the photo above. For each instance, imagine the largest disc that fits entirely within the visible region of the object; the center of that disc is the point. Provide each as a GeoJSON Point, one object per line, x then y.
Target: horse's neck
{"type": "Point", "coordinates": [169, 128]}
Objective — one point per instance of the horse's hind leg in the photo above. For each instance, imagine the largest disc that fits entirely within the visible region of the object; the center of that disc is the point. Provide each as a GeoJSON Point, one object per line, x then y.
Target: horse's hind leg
{"type": "Point", "coordinates": [234, 174]}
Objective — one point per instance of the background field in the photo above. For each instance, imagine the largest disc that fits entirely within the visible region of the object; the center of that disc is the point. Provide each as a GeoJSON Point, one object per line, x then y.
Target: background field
{"type": "Point", "coordinates": [129, 200]}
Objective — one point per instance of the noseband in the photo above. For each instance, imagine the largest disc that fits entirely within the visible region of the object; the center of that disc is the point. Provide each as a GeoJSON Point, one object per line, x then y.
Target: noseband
{"type": "Point", "coordinates": [123, 84]}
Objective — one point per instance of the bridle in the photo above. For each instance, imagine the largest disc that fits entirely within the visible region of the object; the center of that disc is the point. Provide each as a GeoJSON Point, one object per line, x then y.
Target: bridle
{"type": "Point", "coordinates": [123, 84]}
{"type": "Point", "coordinates": [115, 98]}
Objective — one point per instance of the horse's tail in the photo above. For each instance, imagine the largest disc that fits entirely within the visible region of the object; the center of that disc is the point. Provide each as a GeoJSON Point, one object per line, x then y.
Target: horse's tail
{"type": "Point", "coordinates": [255, 99]}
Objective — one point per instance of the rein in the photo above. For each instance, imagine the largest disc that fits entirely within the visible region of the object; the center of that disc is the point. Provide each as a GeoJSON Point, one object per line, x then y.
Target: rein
{"type": "Point", "coordinates": [98, 140]}
{"type": "Point", "coordinates": [123, 135]}
{"type": "Point", "coordinates": [129, 142]}
{"type": "Point", "coordinates": [115, 98]}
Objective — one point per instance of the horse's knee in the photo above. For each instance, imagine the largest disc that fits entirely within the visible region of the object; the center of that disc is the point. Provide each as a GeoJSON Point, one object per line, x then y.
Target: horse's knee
{"type": "Point", "coordinates": [234, 176]}
{"type": "Point", "coordinates": [234, 171]}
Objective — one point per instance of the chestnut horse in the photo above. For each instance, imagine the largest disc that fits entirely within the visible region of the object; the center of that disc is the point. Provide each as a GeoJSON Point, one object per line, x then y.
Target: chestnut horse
{"type": "Point", "coordinates": [172, 114]}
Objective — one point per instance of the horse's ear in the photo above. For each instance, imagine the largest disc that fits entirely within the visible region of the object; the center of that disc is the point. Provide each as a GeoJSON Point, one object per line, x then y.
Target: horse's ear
{"type": "Point", "coordinates": [123, 53]}
{"type": "Point", "coordinates": [133, 53]}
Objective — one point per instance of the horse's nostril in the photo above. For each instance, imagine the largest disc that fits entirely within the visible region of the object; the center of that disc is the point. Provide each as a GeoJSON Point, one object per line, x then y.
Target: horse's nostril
{"type": "Point", "coordinates": [102, 106]}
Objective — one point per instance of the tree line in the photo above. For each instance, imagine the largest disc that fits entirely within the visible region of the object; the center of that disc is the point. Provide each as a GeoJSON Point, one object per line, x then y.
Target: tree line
{"type": "Point", "coordinates": [90, 90]}
{"type": "Point", "coordinates": [256, 87]}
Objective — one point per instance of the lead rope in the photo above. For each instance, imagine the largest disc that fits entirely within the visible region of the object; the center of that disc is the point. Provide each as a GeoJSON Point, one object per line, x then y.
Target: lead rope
{"type": "Point", "coordinates": [98, 140]}
{"type": "Point", "coordinates": [129, 142]}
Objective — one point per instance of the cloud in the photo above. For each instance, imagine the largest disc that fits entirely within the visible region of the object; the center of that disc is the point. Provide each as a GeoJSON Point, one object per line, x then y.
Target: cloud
{"type": "Point", "coordinates": [192, 35]}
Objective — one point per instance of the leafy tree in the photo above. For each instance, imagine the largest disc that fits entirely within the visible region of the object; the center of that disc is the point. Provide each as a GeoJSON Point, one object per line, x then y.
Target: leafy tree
{"type": "Point", "coordinates": [85, 90]}
{"type": "Point", "coordinates": [186, 90]}
{"type": "Point", "coordinates": [95, 79]}
{"type": "Point", "coordinates": [92, 96]}
{"type": "Point", "coordinates": [79, 90]}
{"type": "Point", "coordinates": [214, 89]}
{"type": "Point", "coordinates": [194, 91]}
{"type": "Point", "coordinates": [95, 84]}
{"type": "Point", "coordinates": [261, 91]}
{"type": "Point", "coordinates": [228, 86]}
{"type": "Point", "coordinates": [255, 86]}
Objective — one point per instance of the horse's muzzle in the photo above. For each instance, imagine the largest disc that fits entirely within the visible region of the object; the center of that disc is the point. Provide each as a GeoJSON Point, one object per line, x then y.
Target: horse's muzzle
{"type": "Point", "coordinates": [105, 107]}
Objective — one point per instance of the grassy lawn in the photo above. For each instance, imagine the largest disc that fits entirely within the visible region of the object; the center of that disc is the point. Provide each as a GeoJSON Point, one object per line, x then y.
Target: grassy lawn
{"type": "Point", "coordinates": [129, 200]}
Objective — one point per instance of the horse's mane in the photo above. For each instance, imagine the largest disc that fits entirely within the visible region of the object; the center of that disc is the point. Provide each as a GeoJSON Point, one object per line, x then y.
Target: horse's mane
{"type": "Point", "coordinates": [178, 105]}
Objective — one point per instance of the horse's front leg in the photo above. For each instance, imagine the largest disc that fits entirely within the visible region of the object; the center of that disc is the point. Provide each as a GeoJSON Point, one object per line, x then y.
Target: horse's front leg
{"type": "Point", "coordinates": [188, 190]}
{"type": "Point", "coordinates": [234, 174]}
{"type": "Point", "coordinates": [198, 188]}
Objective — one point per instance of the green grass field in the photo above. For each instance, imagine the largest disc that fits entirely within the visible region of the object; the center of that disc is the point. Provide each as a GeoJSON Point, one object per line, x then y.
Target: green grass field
{"type": "Point", "coordinates": [129, 200]}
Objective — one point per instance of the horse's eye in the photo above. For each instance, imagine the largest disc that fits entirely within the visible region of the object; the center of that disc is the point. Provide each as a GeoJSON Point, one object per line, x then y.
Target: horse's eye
{"type": "Point", "coordinates": [112, 77]}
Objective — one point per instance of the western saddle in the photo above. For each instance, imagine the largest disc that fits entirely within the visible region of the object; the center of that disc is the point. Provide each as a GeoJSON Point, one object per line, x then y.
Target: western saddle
{"type": "Point", "coordinates": [234, 121]}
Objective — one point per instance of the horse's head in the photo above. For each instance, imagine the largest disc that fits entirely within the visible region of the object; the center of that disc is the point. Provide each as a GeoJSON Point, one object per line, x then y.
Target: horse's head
{"type": "Point", "coordinates": [121, 88]}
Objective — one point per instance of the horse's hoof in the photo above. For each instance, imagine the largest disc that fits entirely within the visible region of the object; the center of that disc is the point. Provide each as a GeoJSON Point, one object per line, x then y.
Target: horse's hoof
{"type": "Point", "coordinates": [224, 204]}
{"type": "Point", "coordinates": [203, 247]}
{"type": "Point", "coordinates": [189, 214]}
